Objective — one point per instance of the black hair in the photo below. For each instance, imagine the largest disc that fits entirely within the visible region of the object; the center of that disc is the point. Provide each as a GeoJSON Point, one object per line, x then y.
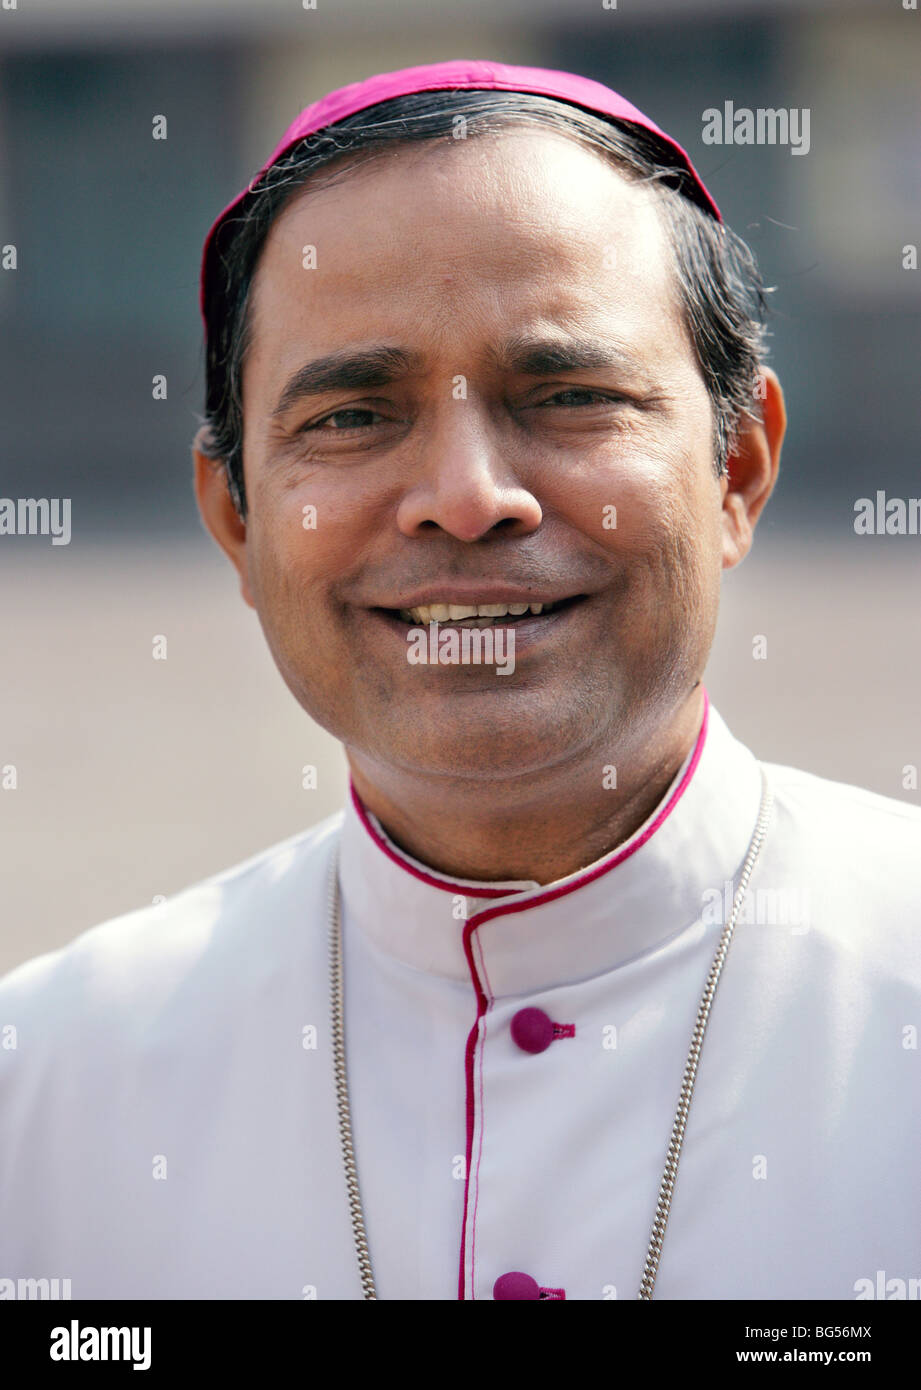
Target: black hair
{"type": "Point", "coordinates": [720, 286]}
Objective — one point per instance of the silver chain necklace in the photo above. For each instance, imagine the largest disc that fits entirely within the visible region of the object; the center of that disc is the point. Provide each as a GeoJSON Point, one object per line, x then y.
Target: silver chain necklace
{"type": "Point", "coordinates": [670, 1173]}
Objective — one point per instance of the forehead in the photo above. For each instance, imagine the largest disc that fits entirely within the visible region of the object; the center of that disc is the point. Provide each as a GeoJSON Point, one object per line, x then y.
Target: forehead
{"type": "Point", "coordinates": [463, 241]}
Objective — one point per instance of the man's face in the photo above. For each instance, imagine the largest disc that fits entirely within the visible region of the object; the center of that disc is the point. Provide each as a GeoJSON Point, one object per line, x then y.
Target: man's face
{"type": "Point", "coordinates": [475, 473]}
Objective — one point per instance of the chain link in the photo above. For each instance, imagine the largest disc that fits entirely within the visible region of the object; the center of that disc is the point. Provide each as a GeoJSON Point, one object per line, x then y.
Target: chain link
{"type": "Point", "coordinates": [342, 1082]}
{"type": "Point", "coordinates": [673, 1153]}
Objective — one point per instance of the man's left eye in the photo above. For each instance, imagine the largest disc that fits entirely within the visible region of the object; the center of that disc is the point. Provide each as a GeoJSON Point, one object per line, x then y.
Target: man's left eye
{"type": "Point", "coordinates": [579, 391]}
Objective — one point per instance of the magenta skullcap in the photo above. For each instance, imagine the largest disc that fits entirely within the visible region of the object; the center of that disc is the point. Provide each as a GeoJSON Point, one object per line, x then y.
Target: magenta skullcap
{"type": "Point", "coordinates": [456, 74]}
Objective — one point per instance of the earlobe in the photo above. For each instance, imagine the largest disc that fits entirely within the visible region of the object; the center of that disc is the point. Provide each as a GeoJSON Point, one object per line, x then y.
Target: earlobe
{"type": "Point", "coordinates": [751, 469]}
{"type": "Point", "coordinates": [218, 513]}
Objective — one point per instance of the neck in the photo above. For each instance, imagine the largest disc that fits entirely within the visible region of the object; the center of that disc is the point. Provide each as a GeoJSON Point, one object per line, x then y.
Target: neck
{"type": "Point", "coordinates": [541, 827]}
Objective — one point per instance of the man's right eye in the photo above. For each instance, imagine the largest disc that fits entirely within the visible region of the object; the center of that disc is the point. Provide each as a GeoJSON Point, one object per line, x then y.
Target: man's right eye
{"type": "Point", "coordinates": [338, 414]}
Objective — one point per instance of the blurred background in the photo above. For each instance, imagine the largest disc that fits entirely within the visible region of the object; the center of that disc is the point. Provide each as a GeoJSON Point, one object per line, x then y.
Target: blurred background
{"type": "Point", "coordinates": [135, 777]}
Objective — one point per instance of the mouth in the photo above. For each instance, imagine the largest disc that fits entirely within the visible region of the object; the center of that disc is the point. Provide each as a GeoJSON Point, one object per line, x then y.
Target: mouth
{"type": "Point", "coordinates": [479, 614]}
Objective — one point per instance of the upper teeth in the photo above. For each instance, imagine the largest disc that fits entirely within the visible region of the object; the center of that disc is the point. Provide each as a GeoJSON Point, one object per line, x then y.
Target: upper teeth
{"type": "Point", "coordinates": [444, 612]}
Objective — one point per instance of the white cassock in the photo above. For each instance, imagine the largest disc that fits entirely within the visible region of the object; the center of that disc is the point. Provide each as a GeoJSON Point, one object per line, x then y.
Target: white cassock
{"type": "Point", "coordinates": [168, 1130]}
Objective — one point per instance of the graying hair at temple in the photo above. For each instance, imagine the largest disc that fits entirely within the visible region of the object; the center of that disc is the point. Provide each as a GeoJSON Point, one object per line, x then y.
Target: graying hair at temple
{"type": "Point", "coordinates": [720, 286]}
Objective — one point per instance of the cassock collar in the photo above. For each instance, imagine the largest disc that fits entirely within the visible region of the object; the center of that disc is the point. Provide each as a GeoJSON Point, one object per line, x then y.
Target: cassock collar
{"type": "Point", "coordinates": [529, 937]}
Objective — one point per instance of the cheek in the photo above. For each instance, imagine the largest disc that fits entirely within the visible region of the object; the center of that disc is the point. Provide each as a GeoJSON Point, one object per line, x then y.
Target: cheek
{"type": "Point", "coordinates": [286, 563]}
{"type": "Point", "coordinates": [641, 508]}
{"type": "Point", "coordinates": [657, 518]}
{"type": "Point", "coordinates": [310, 540]}
{"type": "Point", "coordinates": [300, 537]}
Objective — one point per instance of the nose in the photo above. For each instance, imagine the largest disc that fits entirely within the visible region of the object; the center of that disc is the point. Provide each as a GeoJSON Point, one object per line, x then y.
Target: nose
{"type": "Point", "coordinates": [465, 483]}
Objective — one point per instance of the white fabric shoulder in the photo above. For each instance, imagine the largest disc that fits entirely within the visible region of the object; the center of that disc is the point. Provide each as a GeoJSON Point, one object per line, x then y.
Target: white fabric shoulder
{"type": "Point", "coordinates": [841, 798]}
{"type": "Point", "coordinates": [214, 932]}
{"type": "Point", "coordinates": [858, 857]}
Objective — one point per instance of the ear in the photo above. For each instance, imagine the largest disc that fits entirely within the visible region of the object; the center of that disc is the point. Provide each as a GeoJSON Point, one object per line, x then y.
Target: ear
{"type": "Point", "coordinates": [218, 512]}
{"type": "Point", "coordinates": [752, 470]}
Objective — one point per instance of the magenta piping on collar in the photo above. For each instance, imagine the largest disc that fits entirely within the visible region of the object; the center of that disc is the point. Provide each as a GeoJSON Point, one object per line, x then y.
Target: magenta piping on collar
{"type": "Point", "coordinates": [466, 890]}
{"type": "Point", "coordinates": [475, 890]}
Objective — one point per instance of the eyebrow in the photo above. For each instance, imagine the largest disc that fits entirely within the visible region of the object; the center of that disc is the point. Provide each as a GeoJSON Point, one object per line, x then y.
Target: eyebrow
{"type": "Point", "coordinates": [360, 369]}
{"type": "Point", "coordinates": [347, 370]}
{"type": "Point", "coordinates": [532, 355]}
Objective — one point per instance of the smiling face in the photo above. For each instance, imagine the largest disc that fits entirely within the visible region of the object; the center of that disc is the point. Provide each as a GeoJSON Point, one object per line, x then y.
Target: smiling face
{"type": "Point", "coordinates": [527, 423]}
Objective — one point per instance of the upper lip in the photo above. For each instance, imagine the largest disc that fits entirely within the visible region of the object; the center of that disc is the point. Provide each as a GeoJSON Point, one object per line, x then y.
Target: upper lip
{"type": "Point", "coordinates": [476, 592]}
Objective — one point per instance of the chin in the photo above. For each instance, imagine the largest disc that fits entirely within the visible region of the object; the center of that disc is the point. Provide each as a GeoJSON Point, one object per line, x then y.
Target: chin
{"type": "Point", "coordinates": [495, 754]}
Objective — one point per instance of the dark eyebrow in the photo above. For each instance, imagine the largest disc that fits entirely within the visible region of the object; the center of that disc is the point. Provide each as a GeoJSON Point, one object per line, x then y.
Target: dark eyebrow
{"type": "Point", "coordinates": [347, 370]}
{"type": "Point", "coordinates": [535, 356]}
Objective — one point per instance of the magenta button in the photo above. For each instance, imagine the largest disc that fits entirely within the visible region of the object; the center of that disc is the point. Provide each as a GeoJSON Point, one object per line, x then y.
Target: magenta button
{"type": "Point", "coordinates": [532, 1030]}
{"type": "Point", "coordinates": [516, 1285]}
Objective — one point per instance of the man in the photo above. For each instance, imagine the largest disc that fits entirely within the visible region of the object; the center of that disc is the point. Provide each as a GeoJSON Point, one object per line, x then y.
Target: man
{"type": "Point", "coordinates": [611, 1010]}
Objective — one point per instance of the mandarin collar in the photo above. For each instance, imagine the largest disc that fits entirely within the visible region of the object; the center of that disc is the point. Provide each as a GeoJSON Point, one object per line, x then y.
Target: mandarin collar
{"type": "Point", "coordinates": [529, 936]}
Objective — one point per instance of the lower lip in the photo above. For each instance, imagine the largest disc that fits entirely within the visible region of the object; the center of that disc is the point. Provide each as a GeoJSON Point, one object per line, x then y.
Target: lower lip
{"type": "Point", "coordinates": [530, 632]}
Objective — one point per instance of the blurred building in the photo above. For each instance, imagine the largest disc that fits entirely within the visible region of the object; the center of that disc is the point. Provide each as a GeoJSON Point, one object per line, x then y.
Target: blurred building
{"type": "Point", "coordinates": [109, 222]}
